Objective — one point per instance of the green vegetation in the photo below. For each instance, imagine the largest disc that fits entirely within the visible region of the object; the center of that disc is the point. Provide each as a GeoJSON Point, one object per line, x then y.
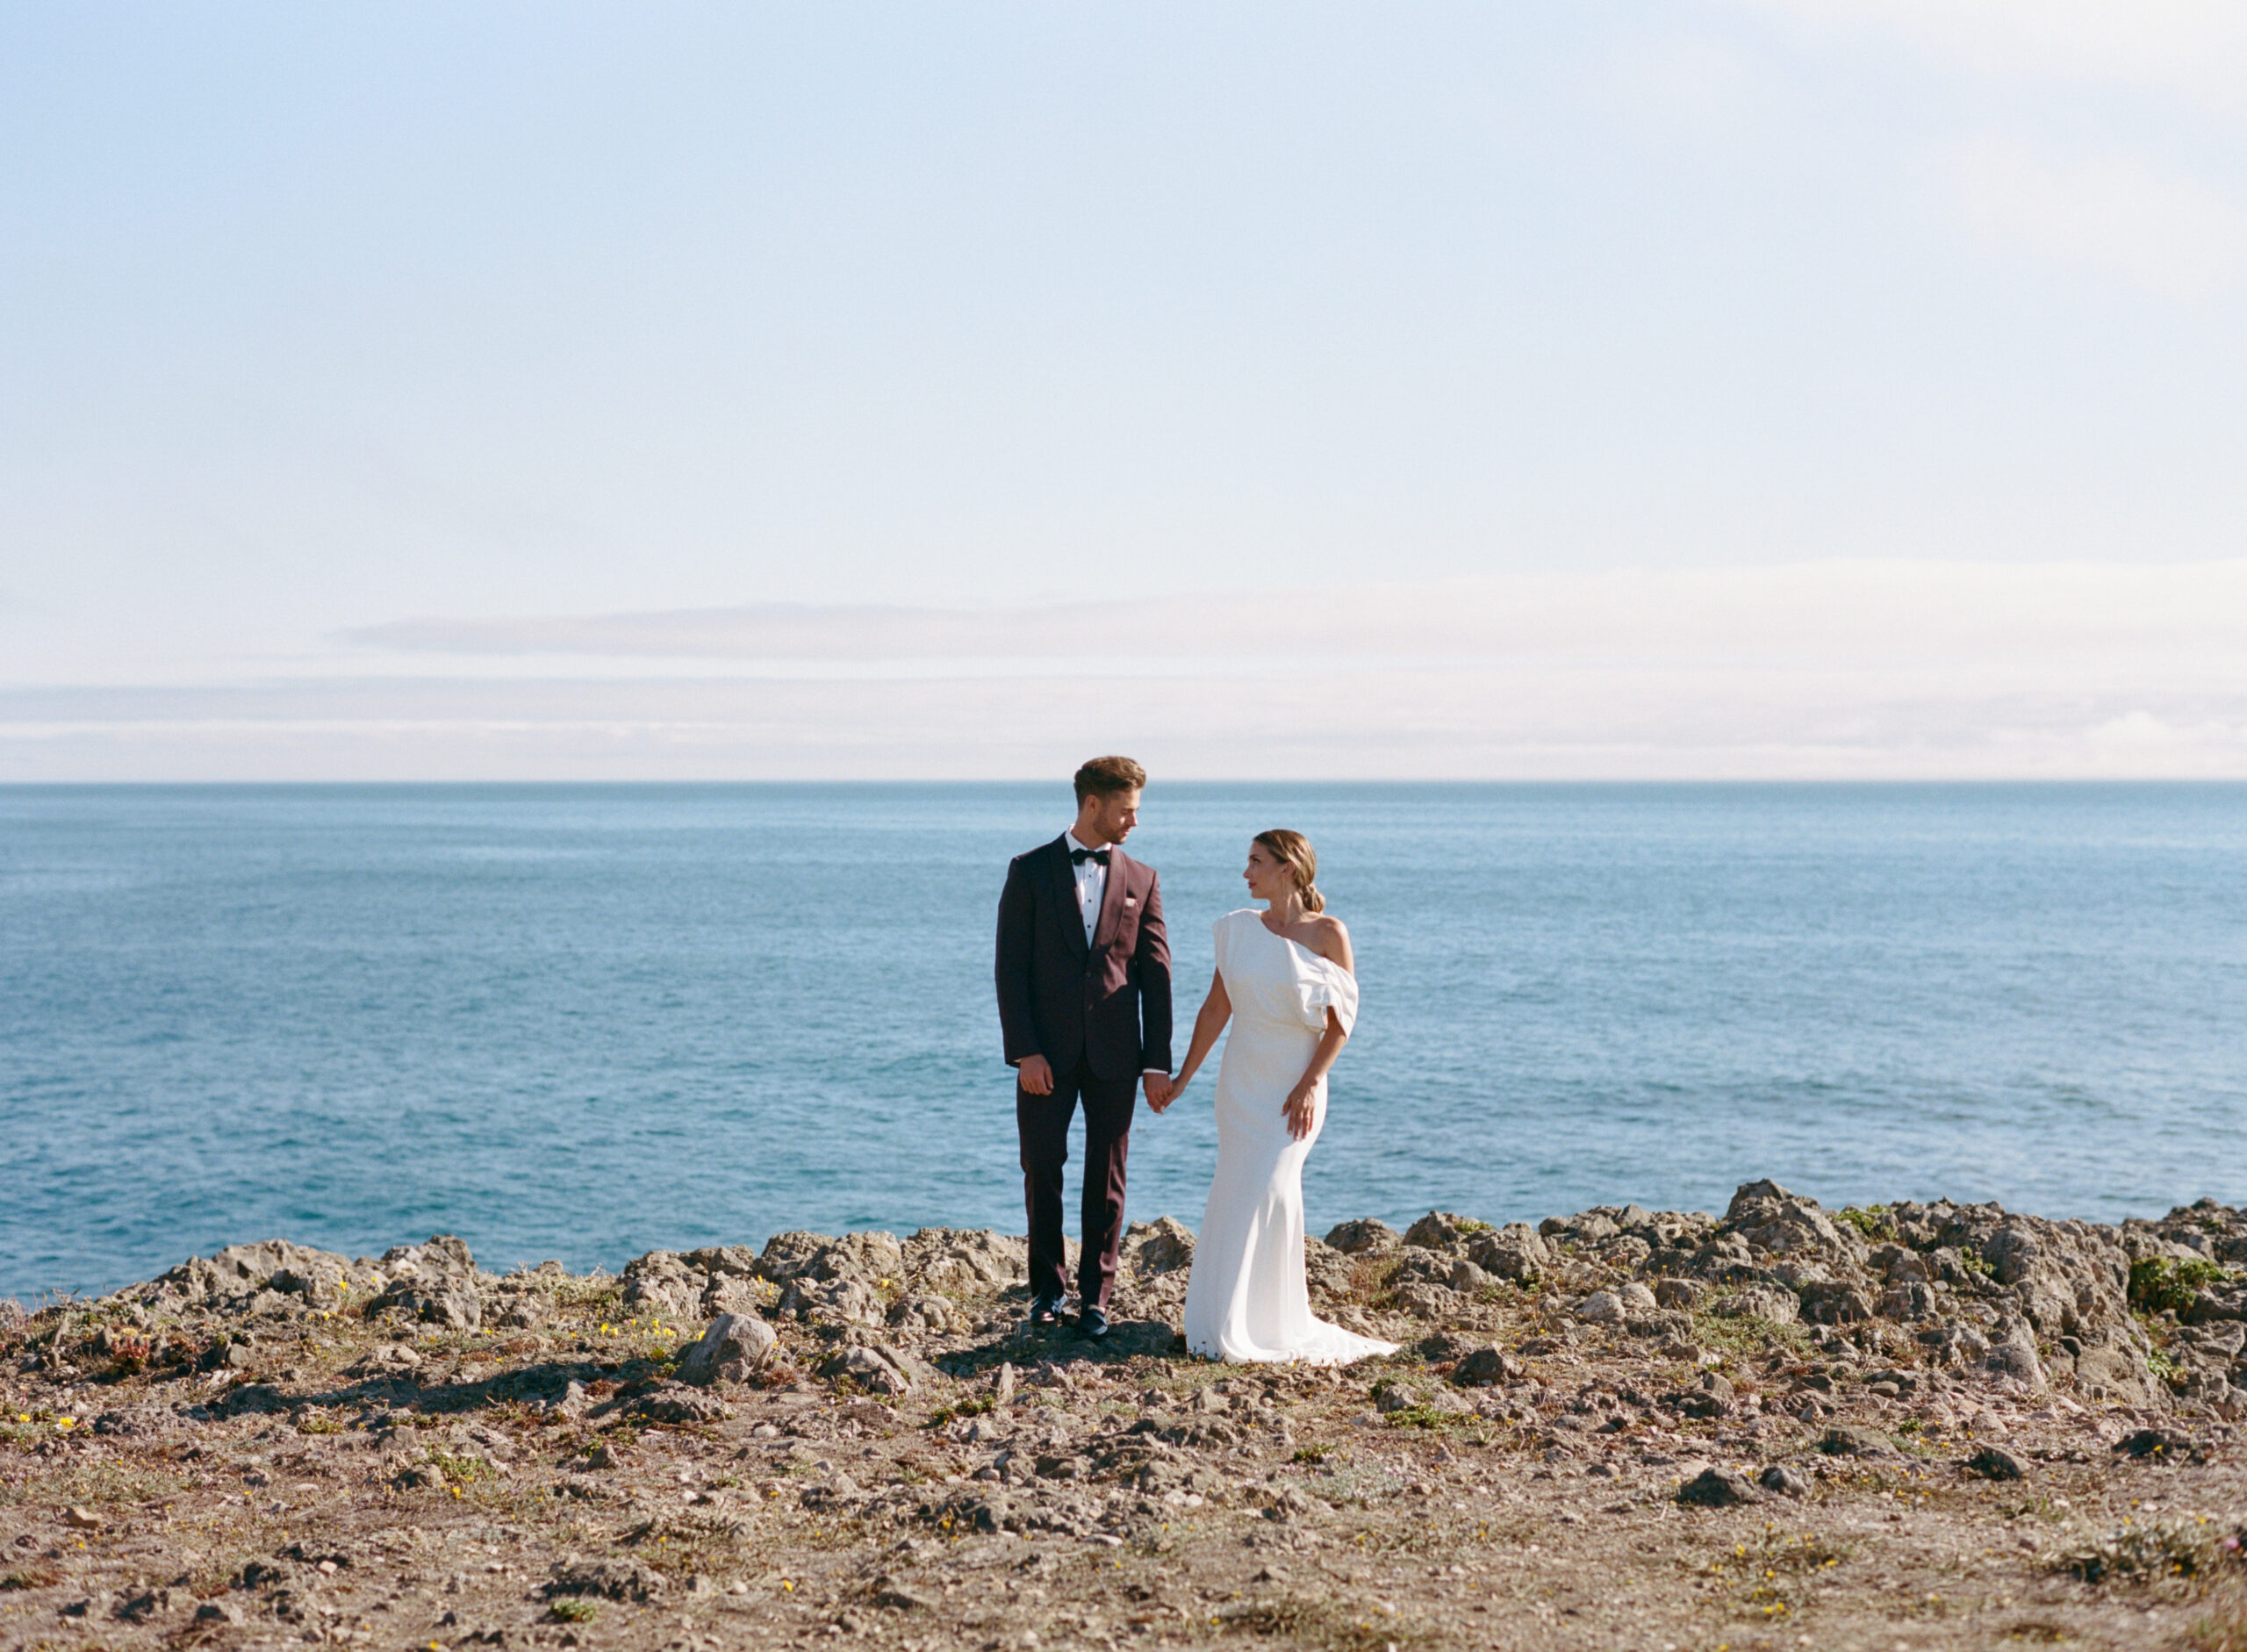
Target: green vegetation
{"type": "Point", "coordinates": [573, 1610]}
{"type": "Point", "coordinates": [2167, 1284]}
{"type": "Point", "coordinates": [1874, 1221]}
{"type": "Point", "coordinates": [2147, 1550]}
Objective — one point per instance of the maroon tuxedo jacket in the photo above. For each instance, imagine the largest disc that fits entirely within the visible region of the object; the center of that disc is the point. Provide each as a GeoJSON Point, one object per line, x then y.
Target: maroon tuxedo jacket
{"type": "Point", "coordinates": [1107, 1003]}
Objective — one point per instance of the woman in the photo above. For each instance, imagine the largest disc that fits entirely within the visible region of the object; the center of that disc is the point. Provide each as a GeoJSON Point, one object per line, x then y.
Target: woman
{"type": "Point", "coordinates": [1284, 981]}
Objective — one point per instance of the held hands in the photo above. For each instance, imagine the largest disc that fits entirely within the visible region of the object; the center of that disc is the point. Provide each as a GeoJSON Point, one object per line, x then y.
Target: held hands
{"type": "Point", "coordinates": [1161, 1091]}
{"type": "Point", "coordinates": [1036, 1076]}
{"type": "Point", "coordinates": [1301, 1110]}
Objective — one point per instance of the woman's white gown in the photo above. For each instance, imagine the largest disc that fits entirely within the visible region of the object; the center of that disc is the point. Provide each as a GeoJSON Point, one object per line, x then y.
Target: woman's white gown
{"type": "Point", "coordinates": [1247, 1299]}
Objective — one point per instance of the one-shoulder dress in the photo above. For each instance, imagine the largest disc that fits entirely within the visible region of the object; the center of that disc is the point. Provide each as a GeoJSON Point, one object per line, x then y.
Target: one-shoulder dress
{"type": "Point", "coordinates": [1247, 1299]}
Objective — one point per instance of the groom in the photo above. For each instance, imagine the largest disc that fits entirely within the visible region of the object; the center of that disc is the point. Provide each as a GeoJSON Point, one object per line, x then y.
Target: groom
{"type": "Point", "coordinates": [1084, 1003]}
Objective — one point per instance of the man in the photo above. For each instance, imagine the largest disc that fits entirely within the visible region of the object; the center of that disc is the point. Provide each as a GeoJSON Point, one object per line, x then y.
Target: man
{"type": "Point", "coordinates": [1084, 1003]}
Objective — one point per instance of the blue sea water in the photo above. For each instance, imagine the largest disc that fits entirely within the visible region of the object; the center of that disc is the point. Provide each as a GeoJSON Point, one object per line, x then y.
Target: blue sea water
{"type": "Point", "coordinates": [585, 1021]}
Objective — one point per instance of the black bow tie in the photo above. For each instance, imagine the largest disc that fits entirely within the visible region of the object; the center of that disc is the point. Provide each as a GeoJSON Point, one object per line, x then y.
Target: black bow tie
{"type": "Point", "coordinates": [1079, 855]}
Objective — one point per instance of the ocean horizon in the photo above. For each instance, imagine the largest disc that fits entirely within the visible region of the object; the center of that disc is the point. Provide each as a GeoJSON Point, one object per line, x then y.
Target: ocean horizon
{"type": "Point", "coordinates": [582, 1021]}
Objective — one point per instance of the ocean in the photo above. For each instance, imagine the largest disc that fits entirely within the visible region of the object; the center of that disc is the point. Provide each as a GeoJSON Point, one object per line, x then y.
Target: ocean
{"type": "Point", "coordinates": [583, 1021]}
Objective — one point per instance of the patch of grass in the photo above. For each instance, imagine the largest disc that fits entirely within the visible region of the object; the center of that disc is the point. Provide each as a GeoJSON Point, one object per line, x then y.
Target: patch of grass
{"type": "Point", "coordinates": [31, 1577]}
{"type": "Point", "coordinates": [1875, 1221]}
{"type": "Point", "coordinates": [317, 1424]}
{"type": "Point", "coordinates": [100, 1484]}
{"type": "Point", "coordinates": [573, 1610]}
{"type": "Point", "coordinates": [1311, 1453]}
{"type": "Point", "coordinates": [2223, 1628]}
{"type": "Point", "coordinates": [2160, 1284]}
{"type": "Point", "coordinates": [1428, 1417]}
{"type": "Point", "coordinates": [1974, 1262]}
{"type": "Point", "coordinates": [460, 1470]}
{"type": "Point", "coordinates": [1743, 1336]}
{"type": "Point", "coordinates": [2148, 1551]}
{"type": "Point", "coordinates": [966, 1408]}
{"type": "Point", "coordinates": [1328, 1625]}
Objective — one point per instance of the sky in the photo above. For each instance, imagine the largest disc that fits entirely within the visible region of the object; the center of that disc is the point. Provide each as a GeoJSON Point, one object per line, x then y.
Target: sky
{"type": "Point", "coordinates": [1827, 389]}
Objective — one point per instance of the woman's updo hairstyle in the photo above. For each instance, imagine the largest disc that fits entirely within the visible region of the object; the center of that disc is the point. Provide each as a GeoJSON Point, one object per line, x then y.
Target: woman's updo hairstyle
{"type": "Point", "coordinates": [1294, 852]}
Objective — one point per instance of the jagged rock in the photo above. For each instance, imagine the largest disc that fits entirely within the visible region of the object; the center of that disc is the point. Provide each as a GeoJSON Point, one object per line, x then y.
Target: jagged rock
{"type": "Point", "coordinates": [1772, 1303]}
{"type": "Point", "coordinates": [733, 1346]}
{"type": "Point", "coordinates": [945, 1259]}
{"type": "Point", "coordinates": [2015, 1355]}
{"type": "Point", "coordinates": [1368, 1233]}
{"type": "Point", "coordinates": [661, 1284]}
{"type": "Point", "coordinates": [1487, 1368]}
{"type": "Point", "coordinates": [1677, 1293]}
{"type": "Point", "coordinates": [1441, 1231]}
{"type": "Point", "coordinates": [2114, 1371]}
{"type": "Point", "coordinates": [1718, 1488]}
{"type": "Point", "coordinates": [845, 1302]}
{"type": "Point", "coordinates": [1785, 1481]}
{"type": "Point", "coordinates": [673, 1403]}
{"type": "Point", "coordinates": [1848, 1439]}
{"type": "Point", "coordinates": [435, 1282]}
{"type": "Point", "coordinates": [1833, 1302]}
{"type": "Point", "coordinates": [1513, 1252]}
{"type": "Point", "coordinates": [728, 1293]}
{"type": "Point", "coordinates": [1995, 1463]}
{"type": "Point", "coordinates": [880, 1369]}
{"type": "Point", "coordinates": [239, 1273]}
{"type": "Point", "coordinates": [391, 1359]}
{"type": "Point", "coordinates": [1330, 1273]}
{"type": "Point", "coordinates": [924, 1310]}
{"type": "Point", "coordinates": [737, 1261]}
{"type": "Point", "coordinates": [1163, 1247]}
{"type": "Point", "coordinates": [1713, 1395]}
{"type": "Point", "coordinates": [1601, 1308]}
{"type": "Point", "coordinates": [612, 1579]}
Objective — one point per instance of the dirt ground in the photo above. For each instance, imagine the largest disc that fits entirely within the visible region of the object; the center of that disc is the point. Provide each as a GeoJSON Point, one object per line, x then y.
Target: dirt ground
{"type": "Point", "coordinates": [190, 1474]}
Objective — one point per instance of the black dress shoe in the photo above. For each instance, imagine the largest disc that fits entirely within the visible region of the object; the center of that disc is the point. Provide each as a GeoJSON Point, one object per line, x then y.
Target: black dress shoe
{"type": "Point", "coordinates": [1092, 1323]}
{"type": "Point", "coordinates": [1045, 1311]}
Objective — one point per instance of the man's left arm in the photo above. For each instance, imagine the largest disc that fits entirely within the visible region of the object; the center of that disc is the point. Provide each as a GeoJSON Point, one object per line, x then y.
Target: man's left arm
{"type": "Point", "coordinates": [1152, 963]}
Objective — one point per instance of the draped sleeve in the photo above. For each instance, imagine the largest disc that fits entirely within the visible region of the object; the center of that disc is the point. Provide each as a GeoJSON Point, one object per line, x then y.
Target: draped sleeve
{"type": "Point", "coordinates": [1321, 986]}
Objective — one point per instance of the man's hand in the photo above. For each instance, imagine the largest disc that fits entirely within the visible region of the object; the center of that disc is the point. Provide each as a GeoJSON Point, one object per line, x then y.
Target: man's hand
{"type": "Point", "coordinates": [1159, 1090]}
{"type": "Point", "coordinates": [1035, 1075]}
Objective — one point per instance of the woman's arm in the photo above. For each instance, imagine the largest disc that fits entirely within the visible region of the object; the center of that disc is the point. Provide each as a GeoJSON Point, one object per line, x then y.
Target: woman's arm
{"type": "Point", "coordinates": [1299, 1099]}
{"type": "Point", "coordinates": [1217, 1010]}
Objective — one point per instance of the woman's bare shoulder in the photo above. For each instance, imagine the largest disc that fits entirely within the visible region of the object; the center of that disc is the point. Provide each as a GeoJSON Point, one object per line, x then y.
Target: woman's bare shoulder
{"type": "Point", "coordinates": [1329, 937]}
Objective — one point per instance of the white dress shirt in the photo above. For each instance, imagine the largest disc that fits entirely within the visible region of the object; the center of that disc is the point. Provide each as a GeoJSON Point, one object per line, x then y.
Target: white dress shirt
{"type": "Point", "coordinates": [1092, 883]}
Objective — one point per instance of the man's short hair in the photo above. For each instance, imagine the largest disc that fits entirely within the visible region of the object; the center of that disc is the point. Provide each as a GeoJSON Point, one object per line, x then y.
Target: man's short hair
{"type": "Point", "coordinates": [1103, 777]}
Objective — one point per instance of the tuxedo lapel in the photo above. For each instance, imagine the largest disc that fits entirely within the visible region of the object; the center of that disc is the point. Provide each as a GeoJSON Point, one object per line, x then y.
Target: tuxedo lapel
{"type": "Point", "coordinates": [1065, 893]}
{"type": "Point", "coordinates": [1111, 901]}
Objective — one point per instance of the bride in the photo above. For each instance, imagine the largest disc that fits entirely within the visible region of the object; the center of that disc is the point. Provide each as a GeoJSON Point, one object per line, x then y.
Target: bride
{"type": "Point", "coordinates": [1284, 980]}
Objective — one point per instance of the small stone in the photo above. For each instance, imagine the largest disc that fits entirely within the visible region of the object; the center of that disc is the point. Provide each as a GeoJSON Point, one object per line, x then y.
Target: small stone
{"type": "Point", "coordinates": [1487, 1368]}
{"type": "Point", "coordinates": [82, 1520]}
{"type": "Point", "coordinates": [1601, 1308]}
{"type": "Point", "coordinates": [732, 1346]}
{"type": "Point", "coordinates": [1718, 1488]}
{"type": "Point", "coordinates": [1848, 1439]}
{"type": "Point", "coordinates": [1785, 1481]}
{"type": "Point", "coordinates": [1995, 1463]}
{"type": "Point", "coordinates": [218, 1611]}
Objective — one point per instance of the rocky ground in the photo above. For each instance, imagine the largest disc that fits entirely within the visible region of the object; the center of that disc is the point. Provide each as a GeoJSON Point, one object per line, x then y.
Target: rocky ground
{"type": "Point", "coordinates": [1905, 1426]}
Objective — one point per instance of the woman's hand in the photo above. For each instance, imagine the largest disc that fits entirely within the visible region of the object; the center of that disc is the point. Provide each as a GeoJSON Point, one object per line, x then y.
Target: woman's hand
{"type": "Point", "coordinates": [1301, 1110]}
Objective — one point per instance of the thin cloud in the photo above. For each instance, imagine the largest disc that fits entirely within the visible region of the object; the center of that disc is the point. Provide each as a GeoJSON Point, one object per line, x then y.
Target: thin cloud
{"type": "Point", "coordinates": [2168, 231]}
{"type": "Point", "coordinates": [2196, 47]}
{"type": "Point", "coordinates": [1867, 610]}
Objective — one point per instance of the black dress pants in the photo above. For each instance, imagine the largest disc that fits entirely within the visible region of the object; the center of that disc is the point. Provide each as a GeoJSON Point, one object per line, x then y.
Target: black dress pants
{"type": "Point", "coordinates": [1044, 1123]}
